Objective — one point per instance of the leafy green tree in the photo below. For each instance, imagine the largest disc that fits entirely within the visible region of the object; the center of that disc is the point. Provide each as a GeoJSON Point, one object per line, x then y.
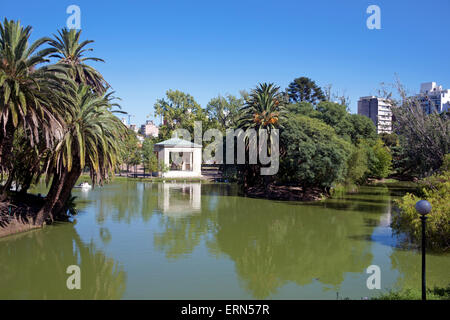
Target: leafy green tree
{"type": "Point", "coordinates": [179, 110]}
{"type": "Point", "coordinates": [357, 165]}
{"type": "Point", "coordinates": [361, 128]}
{"type": "Point", "coordinates": [130, 150]}
{"type": "Point", "coordinates": [379, 159]}
{"type": "Point", "coordinates": [336, 116]}
{"type": "Point", "coordinates": [224, 111]}
{"type": "Point", "coordinates": [149, 158]}
{"type": "Point", "coordinates": [305, 89]}
{"type": "Point", "coordinates": [313, 155]}
{"type": "Point", "coordinates": [303, 108]}
{"type": "Point", "coordinates": [390, 139]}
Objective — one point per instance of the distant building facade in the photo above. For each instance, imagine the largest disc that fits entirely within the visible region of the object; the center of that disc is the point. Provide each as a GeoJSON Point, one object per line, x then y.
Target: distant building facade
{"type": "Point", "coordinates": [433, 98]}
{"type": "Point", "coordinates": [149, 129]}
{"type": "Point", "coordinates": [378, 110]}
{"type": "Point", "coordinates": [134, 128]}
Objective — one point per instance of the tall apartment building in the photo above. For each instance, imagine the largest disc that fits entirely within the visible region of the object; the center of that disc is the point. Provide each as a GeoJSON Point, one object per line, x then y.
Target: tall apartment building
{"type": "Point", "coordinates": [433, 98]}
{"type": "Point", "coordinates": [378, 110]}
{"type": "Point", "coordinates": [149, 129]}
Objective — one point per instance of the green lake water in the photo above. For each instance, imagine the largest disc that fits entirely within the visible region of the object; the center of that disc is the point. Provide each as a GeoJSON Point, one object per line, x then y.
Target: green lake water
{"type": "Point", "coordinates": [139, 240]}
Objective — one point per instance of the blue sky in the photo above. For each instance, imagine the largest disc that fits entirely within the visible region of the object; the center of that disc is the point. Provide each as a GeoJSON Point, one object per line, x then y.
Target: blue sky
{"type": "Point", "coordinates": [211, 47]}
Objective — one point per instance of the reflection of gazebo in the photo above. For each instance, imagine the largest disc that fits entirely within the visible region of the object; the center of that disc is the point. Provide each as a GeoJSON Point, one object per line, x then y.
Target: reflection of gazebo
{"type": "Point", "coordinates": [179, 200]}
{"type": "Point", "coordinates": [182, 158]}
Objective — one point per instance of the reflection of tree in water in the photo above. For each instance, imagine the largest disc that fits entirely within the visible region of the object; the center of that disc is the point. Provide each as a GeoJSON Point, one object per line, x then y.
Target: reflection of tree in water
{"type": "Point", "coordinates": [126, 201]}
{"type": "Point", "coordinates": [409, 265]}
{"type": "Point", "coordinates": [273, 244]}
{"type": "Point", "coordinates": [181, 234]}
{"type": "Point", "coordinates": [37, 262]}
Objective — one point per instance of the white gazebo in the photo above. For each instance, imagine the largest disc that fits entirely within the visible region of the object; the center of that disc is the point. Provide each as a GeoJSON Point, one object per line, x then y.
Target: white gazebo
{"type": "Point", "coordinates": [182, 158]}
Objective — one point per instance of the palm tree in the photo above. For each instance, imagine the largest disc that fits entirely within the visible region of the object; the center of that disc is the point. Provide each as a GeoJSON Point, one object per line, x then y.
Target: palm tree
{"type": "Point", "coordinates": [264, 109]}
{"type": "Point", "coordinates": [25, 89]}
{"type": "Point", "coordinates": [92, 139]}
{"type": "Point", "coordinates": [70, 53]}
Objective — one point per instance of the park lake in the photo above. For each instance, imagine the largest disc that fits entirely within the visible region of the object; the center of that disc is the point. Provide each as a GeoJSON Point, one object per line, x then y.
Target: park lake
{"type": "Point", "coordinates": [175, 240]}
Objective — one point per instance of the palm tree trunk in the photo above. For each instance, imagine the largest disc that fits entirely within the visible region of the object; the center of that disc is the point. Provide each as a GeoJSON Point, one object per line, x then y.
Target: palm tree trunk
{"type": "Point", "coordinates": [26, 184]}
{"type": "Point", "coordinates": [58, 194]}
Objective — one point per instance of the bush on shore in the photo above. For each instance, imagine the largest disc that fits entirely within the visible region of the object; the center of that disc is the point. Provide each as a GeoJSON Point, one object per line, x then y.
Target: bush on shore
{"type": "Point", "coordinates": [435, 189]}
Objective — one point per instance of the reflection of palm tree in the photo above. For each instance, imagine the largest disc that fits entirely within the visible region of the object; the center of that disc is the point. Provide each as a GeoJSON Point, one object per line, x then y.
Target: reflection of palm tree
{"type": "Point", "coordinates": [37, 264]}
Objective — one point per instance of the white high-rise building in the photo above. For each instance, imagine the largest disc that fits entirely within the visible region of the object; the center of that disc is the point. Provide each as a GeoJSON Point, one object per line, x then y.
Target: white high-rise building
{"type": "Point", "coordinates": [433, 98]}
{"type": "Point", "coordinates": [378, 110]}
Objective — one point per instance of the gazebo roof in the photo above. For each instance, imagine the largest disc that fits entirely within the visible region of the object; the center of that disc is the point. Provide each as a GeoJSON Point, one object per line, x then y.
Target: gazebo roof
{"type": "Point", "coordinates": [177, 142]}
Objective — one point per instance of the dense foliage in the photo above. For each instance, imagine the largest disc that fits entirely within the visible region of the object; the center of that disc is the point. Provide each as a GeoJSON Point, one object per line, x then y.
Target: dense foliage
{"type": "Point", "coordinates": [435, 189]}
{"type": "Point", "coordinates": [56, 117]}
{"type": "Point", "coordinates": [314, 155]}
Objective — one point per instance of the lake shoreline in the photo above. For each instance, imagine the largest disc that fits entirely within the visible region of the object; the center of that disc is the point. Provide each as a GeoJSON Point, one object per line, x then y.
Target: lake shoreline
{"type": "Point", "coordinates": [17, 213]}
{"type": "Point", "coordinates": [285, 193]}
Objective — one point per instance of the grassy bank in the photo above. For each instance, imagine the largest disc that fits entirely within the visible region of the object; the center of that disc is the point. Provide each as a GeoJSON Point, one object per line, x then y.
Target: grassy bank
{"type": "Point", "coordinates": [415, 294]}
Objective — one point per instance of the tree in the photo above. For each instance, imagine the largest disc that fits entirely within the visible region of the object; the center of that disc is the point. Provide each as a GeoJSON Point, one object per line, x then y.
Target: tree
{"type": "Point", "coordinates": [179, 110]}
{"type": "Point", "coordinates": [303, 108]}
{"type": "Point", "coordinates": [379, 159]}
{"type": "Point", "coordinates": [389, 139]}
{"type": "Point", "coordinates": [312, 154]}
{"type": "Point", "coordinates": [149, 158]}
{"type": "Point", "coordinates": [361, 128]}
{"type": "Point", "coordinates": [264, 109]}
{"type": "Point", "coordinates": [70, 53]}
{"type": "Point", "coordinates": [92, 138]}
{"type": "Point", "coordinates": [305, 89]}
{"type": "Point", "coordinates": [28, 93]}
{"type": "Point", "coordinates": [424, 138]}
{"type": "Point", "coordinates": [336, 116]}
{"type": "Point", "coordinates": [128, 155]}
{"type": "Point", "coordinates": [357, 165]}
{"type": "Point", "coordinates": [224, 110]}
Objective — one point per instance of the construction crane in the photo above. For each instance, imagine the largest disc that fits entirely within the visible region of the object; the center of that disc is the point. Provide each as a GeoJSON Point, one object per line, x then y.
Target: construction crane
{"type": "Point", "coordinates": [129, 118]}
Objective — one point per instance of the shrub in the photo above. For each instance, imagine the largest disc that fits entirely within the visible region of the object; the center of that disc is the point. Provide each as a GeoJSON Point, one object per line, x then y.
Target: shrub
{"type": "Point", "coordinates": [357, 166]}
{"type": "Point", "coordinates": [436, 190]}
